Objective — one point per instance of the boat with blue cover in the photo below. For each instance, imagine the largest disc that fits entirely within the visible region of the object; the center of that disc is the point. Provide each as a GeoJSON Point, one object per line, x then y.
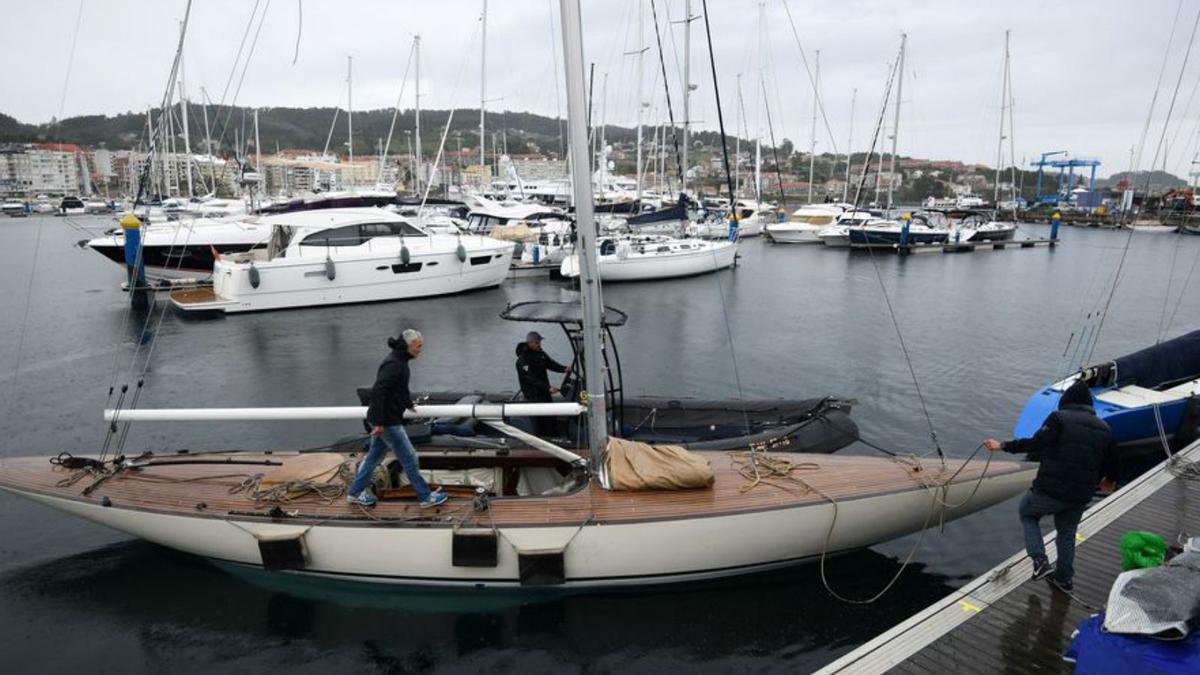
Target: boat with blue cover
{"type": "Point", "coordinates": [1145, 396]}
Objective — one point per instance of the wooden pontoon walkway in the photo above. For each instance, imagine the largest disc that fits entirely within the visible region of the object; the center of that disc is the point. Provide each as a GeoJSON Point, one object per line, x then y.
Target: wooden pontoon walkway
{"type": "Point", "coordinates": [1003, 622]}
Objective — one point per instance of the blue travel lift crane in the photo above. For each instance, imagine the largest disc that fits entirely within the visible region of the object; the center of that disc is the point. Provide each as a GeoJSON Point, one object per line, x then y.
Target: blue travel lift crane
{"type": "Point", "coordinates": [1063, 191]}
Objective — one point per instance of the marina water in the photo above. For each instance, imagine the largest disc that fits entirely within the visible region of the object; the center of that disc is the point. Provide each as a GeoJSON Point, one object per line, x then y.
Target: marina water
{"type": "Point", "coordinates": [983, 329]}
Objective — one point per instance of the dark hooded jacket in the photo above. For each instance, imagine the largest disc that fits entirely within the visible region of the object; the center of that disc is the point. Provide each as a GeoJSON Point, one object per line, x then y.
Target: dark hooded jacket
{"type": "Point", "coordinates": [390, 396]}
{"type": "Point", "coordinates": [531, 371]}
{"type": "Point", "coordinates": [1076, 449]}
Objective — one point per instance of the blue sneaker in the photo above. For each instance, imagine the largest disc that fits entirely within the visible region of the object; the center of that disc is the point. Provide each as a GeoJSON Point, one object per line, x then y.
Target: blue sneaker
{"type": "Point", "coordinates": [364, 498]}
{"type": "Point", "coordinates": [435, 499]}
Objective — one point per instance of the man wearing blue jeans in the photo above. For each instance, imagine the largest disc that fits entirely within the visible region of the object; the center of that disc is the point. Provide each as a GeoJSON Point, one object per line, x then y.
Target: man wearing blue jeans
{"type": "Point", "coordinates": [1077, 452]}
{"type": "Point", "coordinates": [390, 397]}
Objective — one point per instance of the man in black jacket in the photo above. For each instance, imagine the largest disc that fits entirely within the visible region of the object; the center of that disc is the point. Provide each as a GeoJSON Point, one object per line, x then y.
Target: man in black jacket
{"type": "Point", "coordinates": [532, 364]}
{"type": "Point", "coordinates": [389, 399]}
{"type": "Point", "coordinates": [1077, 452]}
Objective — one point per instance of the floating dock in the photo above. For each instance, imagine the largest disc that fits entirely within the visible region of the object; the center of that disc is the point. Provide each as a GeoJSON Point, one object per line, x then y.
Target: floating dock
{"type": "Point", "coordinates": [956, 246]}
{"type": "Point", "coordinates": [1003, 621]}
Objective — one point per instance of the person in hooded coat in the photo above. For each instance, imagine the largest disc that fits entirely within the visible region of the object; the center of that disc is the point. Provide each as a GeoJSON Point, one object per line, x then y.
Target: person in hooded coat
{"type": "Point", "coordinates": [1077, 452]}
{"type": "Point", "coordinates": [532, 367]}
{"type": "Point", "coordinates": [390, 397]}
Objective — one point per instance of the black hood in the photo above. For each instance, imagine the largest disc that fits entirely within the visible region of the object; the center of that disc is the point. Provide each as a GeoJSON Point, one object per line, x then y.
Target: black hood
{"type": "Point", "coordinates": [522, 348]}
{"type": "Point", "coordinates": [398, 345]}
{"type": "Point", "coordinates": [1076, 394]}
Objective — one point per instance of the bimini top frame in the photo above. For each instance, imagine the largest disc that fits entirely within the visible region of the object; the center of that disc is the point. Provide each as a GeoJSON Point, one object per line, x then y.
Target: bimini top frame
{"type": "Point", "coordinates": [569, 317]}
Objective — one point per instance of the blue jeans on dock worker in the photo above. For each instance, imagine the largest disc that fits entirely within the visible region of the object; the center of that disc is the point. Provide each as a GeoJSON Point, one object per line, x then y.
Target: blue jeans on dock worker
{"type": "Point", "coordinates": [1034, 507]}
{"type": "Point", "coordinates": [396, 438]}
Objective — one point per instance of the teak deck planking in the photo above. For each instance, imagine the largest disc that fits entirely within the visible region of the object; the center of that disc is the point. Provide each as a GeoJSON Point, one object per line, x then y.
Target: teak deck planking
{"type": "Point", "coordinates": [158, 489]}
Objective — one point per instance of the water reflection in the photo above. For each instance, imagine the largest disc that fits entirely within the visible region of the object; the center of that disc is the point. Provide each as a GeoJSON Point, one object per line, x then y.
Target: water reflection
{"type": "Point", "coordinates": [181, 607]}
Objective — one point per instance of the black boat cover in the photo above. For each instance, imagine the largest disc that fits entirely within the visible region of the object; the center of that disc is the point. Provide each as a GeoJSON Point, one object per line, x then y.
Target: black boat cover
{"type": "Point", "coordinates": [558, 312]}
{"type": "Point", "coordinates": [1171, 361]}
{"type": "Point", "coordinates": [677, 212]}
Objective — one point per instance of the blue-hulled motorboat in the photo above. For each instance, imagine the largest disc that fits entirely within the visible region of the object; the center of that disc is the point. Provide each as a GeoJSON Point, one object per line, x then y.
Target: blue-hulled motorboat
{"type": "Point", "coordinates": [1145, 396]}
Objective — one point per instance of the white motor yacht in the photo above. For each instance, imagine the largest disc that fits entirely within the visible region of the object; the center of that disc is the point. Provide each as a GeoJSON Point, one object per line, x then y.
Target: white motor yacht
{"type": "Point", "coordinates": [341, 256]}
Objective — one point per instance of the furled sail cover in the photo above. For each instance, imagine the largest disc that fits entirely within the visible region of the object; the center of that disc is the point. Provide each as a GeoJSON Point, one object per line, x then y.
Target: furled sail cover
{"type": "Point", "coordinates": [677, 212]}
{"type": "Point", "coordinates": [1170, 361]}
{"type": "Point", "coordinates": [637, 466]}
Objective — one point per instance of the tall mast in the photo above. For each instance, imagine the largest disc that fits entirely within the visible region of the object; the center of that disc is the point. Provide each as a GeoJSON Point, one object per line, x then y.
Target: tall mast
{"type": "Point", "coordinates": [417, 83]}
{"type": "Point", "coordinates": [812, 148]}
{"type": "Point", "coordinates": [737, 141]}
{"type": "Point", "coordinates": [208, 147]}
{"type": "Point", "coordinates": [1000, 135]}
{"type": "Point", "coordinates": [187, 142]}
{"type": "Point", "coordinates": [896, 119]}
{"type": "Point", "coordinates": [641, 68]}
{"type": "Point", "coordinates": [687, 88]}
{"type": "Point", "coordinates": [849, 146]}
{"type": "Point", "coordinates": [483, 100]}
{"type": "Point", "coordinates": [581, 185]}
{"type": "Point", "coordinates": [759, 102]}
{"type": "Point", "coordinates": [350, 114]}
{"type": "Point", "coordinates": [257, 147]}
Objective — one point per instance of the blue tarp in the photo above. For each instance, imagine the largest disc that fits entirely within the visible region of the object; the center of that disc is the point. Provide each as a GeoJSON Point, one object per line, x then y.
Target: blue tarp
{"type": "Point", "coordinates": [1096, 652]}
{"type": "Point", "coordinates": [1169, 361]}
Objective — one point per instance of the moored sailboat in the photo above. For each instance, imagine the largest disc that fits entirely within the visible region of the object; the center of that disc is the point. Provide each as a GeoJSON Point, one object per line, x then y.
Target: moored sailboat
{"type": "Point", "coordinates": [549, 517]}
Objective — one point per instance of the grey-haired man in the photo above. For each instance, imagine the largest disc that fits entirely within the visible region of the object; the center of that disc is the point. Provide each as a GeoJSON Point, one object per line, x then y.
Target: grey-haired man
{"type": "Point", "coordinates": [390, 397]}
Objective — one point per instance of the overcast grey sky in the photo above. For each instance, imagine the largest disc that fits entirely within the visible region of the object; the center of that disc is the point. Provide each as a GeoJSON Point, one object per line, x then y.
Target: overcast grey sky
{"type": "Point", "coordinates": [1083, 72]}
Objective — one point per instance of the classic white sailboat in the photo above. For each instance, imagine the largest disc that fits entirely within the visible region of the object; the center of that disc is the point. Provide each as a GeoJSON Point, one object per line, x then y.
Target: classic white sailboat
{"type": "Point", "coordinates": [566, 520]}
{"type": "Point", "coordinates": [650, 257]}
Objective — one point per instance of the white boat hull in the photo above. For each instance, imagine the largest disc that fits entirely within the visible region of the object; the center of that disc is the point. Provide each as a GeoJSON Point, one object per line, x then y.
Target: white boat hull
{"type": "Point", "coordinates": [594, 554]}
{"type": "Point", "coordinates": [288, 283]}
{"type": "Point", "coordinates": [714, 256]}
{"type": "Point", "coordinates": [794, 233]}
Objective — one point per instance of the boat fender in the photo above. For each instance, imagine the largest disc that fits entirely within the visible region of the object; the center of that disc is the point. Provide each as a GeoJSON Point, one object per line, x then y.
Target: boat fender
{"type": "Point", "coordinates": [541, 569]}
{"type": "Point", "coordinates": [461, 252]}
{"type": "Point", "coordinates": [330, 270]}
{"type": "Point", "coordinates": [286, 552]}
{"type": "Point", "coordinates": [255, 277]}
{"type": "Point", "coordinates": [475, 549]}
{"type": "Point", "coordinates": [405, 255]}
{"type": "Point", "coordinates": [623, 250]}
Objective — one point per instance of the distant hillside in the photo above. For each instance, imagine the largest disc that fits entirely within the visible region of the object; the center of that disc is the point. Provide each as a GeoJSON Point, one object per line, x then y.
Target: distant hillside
{"type": "Point", "coordinates": [308, 128]}
{"type": "Point", "coordinates": [1159, 180]}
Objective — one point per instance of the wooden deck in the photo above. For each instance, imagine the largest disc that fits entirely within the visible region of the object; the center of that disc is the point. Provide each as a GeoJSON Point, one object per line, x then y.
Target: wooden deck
{"type": "Point", "coordinates": [195, 296]}
{"type": "Point", "coordinates": [1003, 622]}
{"type": "Point", "coordinates": [204, 490]}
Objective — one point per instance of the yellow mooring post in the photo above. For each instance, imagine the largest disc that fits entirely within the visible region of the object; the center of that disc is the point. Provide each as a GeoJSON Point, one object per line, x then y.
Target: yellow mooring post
{"type": "Point", "coordinates": [135, 264]}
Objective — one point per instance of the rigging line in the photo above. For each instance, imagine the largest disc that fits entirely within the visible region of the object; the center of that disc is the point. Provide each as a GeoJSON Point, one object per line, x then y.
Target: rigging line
{"type": "Point", "coordinates": [299, 29]}
{"type": "Point", "coordinates": [555, 55]}
{"type": "Point", "coordinates": [732, 207]}
{"type": "Point", "coordinates": [1137, 162]}
{"type": "Point", "coordinates": [1162, 319]}
{"type": "Point", "coordinates": [462, 69]}
{"type": "Point", "coordinates": [879, 275]}
{"type": "Point", "coordinates": [62, 100]}
{"type": "Point", "coordinates": [1171, 108]}
{"type": "Point", "coordinates": [667, 88]}
{"type": "Point", "coordinates": [812, 80]}
{"type": "Point", "coordinates": [387, 146]}
{"type": "Point", "coordinates": [1182, 292]}
{"type": "Point", "coordinates": [774, 150]}
{"type": "Point", "coordinates": [1162, 137]}
{"type": "Point", "coordinates": [238, 58]}
{"type": "Point", "coordinates": [241, 79]}
{"type": "Point", "coordinates": [337, 108]}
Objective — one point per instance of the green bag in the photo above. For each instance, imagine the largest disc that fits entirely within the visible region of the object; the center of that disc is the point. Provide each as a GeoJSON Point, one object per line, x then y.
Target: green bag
{"type": "Point", "coordinates": [1142, 549]}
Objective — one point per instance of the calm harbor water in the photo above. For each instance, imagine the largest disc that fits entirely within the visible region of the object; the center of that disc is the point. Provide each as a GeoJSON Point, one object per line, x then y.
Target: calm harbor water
{"type": "Point", "coordinates": [983, 330]}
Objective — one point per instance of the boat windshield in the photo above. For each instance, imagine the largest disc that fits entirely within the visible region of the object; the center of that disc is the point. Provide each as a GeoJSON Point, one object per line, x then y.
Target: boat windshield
{"type": "Point", "coordinates": [355, 235]}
